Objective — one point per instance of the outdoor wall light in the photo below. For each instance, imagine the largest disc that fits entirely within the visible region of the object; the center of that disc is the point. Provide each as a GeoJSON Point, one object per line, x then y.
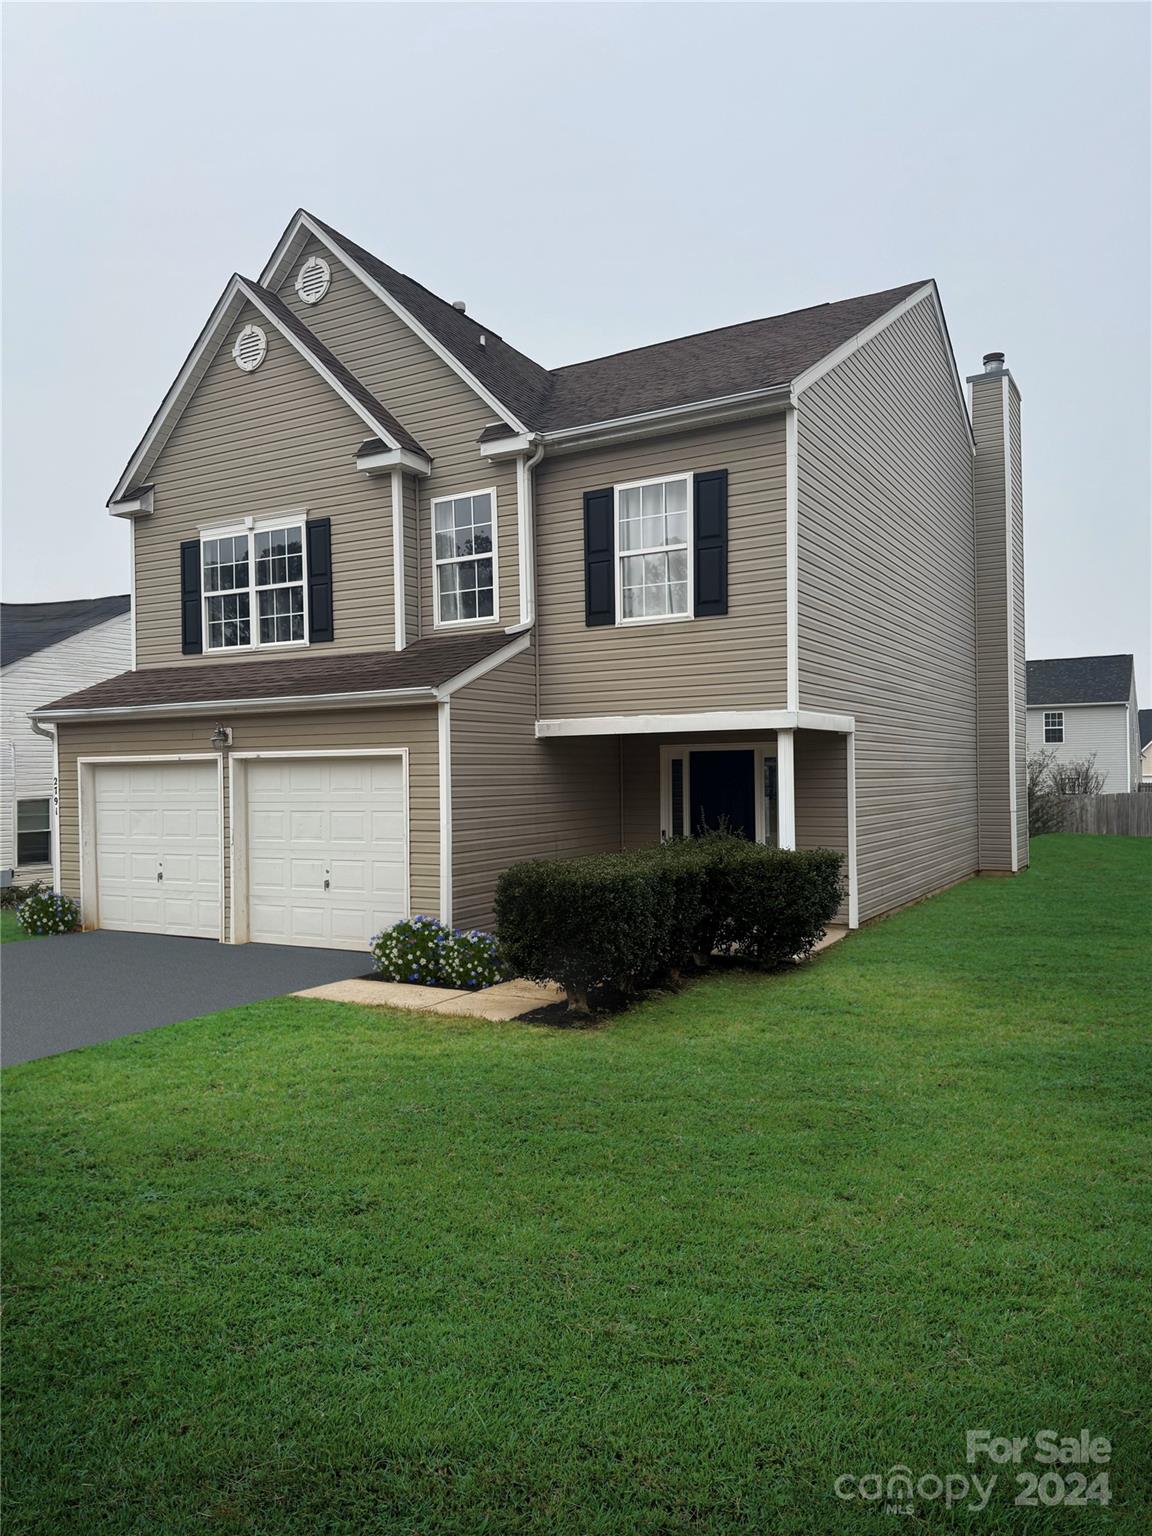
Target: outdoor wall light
{"type": "Point", "coordinates": [222, 737]}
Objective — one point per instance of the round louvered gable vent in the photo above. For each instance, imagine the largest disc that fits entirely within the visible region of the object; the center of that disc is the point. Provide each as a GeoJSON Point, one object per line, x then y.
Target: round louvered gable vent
{"type": "Point", "coordinates": [251, 348]}
{"type": "Point", "coordinates": [313, 279]}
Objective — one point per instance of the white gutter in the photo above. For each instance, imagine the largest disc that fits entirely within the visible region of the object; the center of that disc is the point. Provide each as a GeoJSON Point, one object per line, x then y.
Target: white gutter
{"type": "Point", "coordinates": [51, 733]}
{"type": "Point", "coordinates": [377, 697]}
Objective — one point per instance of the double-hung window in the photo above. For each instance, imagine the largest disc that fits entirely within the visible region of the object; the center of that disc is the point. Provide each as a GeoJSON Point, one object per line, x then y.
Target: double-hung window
{"type": "Point", "coordinates": [653, 551]}
{"type": "Point", "coordinates": [33, 832]}
{"type": "Point", "coordinates": [464, 535]}
{"type": "Point", "coordinates": [254, 588]}
{"type": "Point", "coordinates": [1053, 725]}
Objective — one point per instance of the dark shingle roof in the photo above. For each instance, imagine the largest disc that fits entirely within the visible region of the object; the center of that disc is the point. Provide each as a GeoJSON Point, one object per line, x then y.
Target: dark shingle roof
{"type": "Point", "coordinates": [513, 378]}
{"type": "Point", "coordinates": [732, 360]}
{"type": "Point", "coordinates": [1080, 680]}
{"type": "Point", "coordinates": [426, 664]}
{"type": "Point", "coordinates": [1145, 727]}
{"type": "Point", "coordinates": [380, 413]}
{"type": "Point", "coordinates": [26, 628]}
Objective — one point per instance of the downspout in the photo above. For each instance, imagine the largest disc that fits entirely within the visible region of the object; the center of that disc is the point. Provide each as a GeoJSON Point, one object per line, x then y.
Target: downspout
{"type": "Point", "coordinates": [49, 733]}
{"type": "Point", "coordinates": [526, 538]}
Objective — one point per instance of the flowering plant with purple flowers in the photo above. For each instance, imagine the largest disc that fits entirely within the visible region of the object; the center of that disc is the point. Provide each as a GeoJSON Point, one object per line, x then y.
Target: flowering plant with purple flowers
{"type": "Point", "coordinates": [425, 953]}
{"type": "Point", "coordinates": [48, 912]}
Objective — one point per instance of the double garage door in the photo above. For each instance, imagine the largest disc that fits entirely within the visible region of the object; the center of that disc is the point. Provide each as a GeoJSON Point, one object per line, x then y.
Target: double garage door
{"type": "Point", "coordinates": [320, 848]}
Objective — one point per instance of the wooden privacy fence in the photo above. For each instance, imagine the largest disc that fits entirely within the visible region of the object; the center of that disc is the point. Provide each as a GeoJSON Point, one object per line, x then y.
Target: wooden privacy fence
{"type": "Point", "coordinates": [1123, 815]}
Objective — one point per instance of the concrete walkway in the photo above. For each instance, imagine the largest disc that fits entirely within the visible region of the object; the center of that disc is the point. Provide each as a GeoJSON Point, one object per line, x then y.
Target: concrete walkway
{"type": "Point", "coordinates": [507, 1000]}
{"type": "Point", "coordinates": [82, 988]}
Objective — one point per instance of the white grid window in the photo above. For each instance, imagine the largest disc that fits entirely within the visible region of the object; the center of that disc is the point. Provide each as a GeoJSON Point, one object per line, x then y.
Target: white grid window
{"type": "Point", "coordinates": [1053, 725]}
{"type": "Point", "coordinates": [264, 579]}
{"type": "Point", "coordinates": [464, 532]}
{"type": "Point", "coordinates": [652, 550]}
{"type": "Point", "coordinates": [280, 584]}
{"type": "Point", "coordinates": [227, 598]}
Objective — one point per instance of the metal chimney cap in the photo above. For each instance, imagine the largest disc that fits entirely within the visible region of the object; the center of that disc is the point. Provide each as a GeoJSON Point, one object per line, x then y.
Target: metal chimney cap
{"type": "Point", "coordinates": [460, 305]}
{"type": "Point", "coordinates": [993, 362]}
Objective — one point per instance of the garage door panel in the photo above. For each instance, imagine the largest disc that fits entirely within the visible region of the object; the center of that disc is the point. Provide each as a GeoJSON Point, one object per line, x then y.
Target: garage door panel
{"type": "Point", "coordinates": [153, 818]}
{"type": "Point", "coordinates": [340, 820]}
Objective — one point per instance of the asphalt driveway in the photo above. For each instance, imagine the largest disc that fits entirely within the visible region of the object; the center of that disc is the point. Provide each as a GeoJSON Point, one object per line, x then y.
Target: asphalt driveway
{"type": "Point", "coordinates": [79, 989]}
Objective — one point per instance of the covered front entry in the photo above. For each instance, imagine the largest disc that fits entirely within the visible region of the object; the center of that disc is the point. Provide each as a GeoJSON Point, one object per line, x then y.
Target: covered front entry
{"type": "Point", "coordinates": [713, 786]}
{"type": "Point", "coordinates": [321, 856]}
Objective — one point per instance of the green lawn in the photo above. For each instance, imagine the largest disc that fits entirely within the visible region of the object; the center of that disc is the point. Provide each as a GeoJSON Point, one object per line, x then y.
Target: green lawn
{"type": "Point", "coordinates": [11, 931]}
{"type": "Point", "coordinates": [301, 1269]}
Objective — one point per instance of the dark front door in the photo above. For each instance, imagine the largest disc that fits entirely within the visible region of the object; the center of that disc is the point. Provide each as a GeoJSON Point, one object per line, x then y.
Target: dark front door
{"type": "Point", "coordinates": [722, 786]}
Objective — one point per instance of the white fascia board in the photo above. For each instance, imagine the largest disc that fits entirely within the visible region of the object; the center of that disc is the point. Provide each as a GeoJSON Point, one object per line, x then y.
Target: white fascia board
{"type": "Point", "coordinates": [164, 418]}
{"type": "Point", "coordinates": [862, 338]}
{"type": "Point", "coordinates": [329, 378]}
{"type": "Point", "coordinates": [237, 293]}
{"type": "Point", "coordinates": [274, 272]}
{"type": "Point", "coordinates": [139, 506]}
{"type": "Point", "coordinates": [489, 664]}
{"type": "Point", "coordinates": [677, 418]}
{"type": "Point", "coordinates": [703, 720]}
{"type": "Point", "coordinates": [508, 447]}
{"type": "Point", "coordinates": [377, 698]}
{"type": "Point", "coordinates": [394, 458]}
{"type": "Point", "coordinates": [1036, 709]}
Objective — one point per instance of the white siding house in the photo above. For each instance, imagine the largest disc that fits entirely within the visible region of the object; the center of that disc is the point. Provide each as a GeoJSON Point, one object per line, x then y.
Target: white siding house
{"type": "Point", "coordinates": [1085, 706]}
{"type": "Point", "coordinates": [47, 649]}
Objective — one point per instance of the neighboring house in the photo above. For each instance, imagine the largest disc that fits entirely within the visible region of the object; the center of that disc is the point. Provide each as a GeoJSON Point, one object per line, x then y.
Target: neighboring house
{"type": "Point", "coordinates": [409, 606]}
{"type": "Point", "coordinates": [46, 647]}
{"type": "Point", "coordinates": [1145, 717]}
{"type": "Point", "coordinates": [1085, 706]}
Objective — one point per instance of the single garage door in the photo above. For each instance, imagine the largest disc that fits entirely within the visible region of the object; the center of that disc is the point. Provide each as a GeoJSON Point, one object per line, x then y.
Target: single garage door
{"type": "Point", "coordinates": [158, 847]}
{"type": "Point", "coordinates": [327, 850]}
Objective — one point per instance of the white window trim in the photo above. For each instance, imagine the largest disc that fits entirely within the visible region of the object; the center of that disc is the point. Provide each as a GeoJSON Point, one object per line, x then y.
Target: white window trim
{"type": "Point", "coordinates": [489, 618]}
{"type": "Point", "coordinates": [1058, 715]}
{"type": "Point", "coordinates": [249, 528]}
{"type": "Point", "coordinates": [18, 862]}
{"type": "Point", "coordinates": [618, 554]}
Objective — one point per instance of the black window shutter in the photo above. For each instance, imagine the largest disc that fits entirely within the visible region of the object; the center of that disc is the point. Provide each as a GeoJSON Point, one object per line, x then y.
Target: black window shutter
{"type": "Point", "coordinates": [711, 535]}
{"type": "Point", "coordinates": [320, 578]}
{"type": "Point", "coordinates": [599, 558]}
{"type": "Point", "coordinates": [191, 623]}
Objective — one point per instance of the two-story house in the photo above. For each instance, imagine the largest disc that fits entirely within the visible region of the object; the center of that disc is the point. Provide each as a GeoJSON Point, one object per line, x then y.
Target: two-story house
{"type": "Point", "coordinates": [1083, 707]}
{"type": "Point", "coordinates": [409, 607]}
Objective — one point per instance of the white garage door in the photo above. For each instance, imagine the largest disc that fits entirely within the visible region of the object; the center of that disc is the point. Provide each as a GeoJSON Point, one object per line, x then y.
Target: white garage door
{"type": "Point", "coordinates": [327, 861]}
{"type": "Point", "coordinates": [158, 847]}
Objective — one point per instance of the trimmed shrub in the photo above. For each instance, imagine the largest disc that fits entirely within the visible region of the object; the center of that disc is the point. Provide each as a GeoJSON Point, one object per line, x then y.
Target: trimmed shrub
{"type": "Point", "coordinates": [48, 912]}
{"type": "Point", "coordinates": [12, 896]}
{"type": "Point", "coordinates": [423, 952]}
{"type": "Point", "coordinates": [583, 922]}
{"type": "Point", "coordinates": [632, 918]}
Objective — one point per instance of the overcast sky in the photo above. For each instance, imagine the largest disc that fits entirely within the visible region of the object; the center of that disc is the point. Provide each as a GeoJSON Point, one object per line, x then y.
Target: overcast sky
{"type": "Point", "coordinates": [590, 178]}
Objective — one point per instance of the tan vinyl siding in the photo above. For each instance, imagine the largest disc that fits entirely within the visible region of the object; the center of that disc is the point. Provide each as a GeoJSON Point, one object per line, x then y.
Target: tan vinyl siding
{"type": "Point", "coordinates": [886, 599]}
{"type": "Point", "coordinates": [822, 798]}
{"type": "Point", "coordinates": [256, 445]}
{"type": "Point", "coordinates": [735, 662]}
{"type": "Point", "coordinates": [411, 560]}
{"type": "Point", "coordinates": [444, 415]}
{"type": "Point", "coordinates": [301, 730]}
{"type": "Point", "coordinates": [994, 734]}
{"type": "Point", "coordinates": [514, 797]}
{"type": "Point", "coordinates": [1019, 661]}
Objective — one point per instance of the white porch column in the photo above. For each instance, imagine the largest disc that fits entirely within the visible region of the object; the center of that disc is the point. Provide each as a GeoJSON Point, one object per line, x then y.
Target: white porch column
{"type": "Point", "coordinates": [786, 788]}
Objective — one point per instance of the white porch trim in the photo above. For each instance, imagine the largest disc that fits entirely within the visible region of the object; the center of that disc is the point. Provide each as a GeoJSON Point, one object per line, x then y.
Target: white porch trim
{"type": "Point", "coordinates": [703, 720]}
{"type": "Point", "coordinates": [786, 788]}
